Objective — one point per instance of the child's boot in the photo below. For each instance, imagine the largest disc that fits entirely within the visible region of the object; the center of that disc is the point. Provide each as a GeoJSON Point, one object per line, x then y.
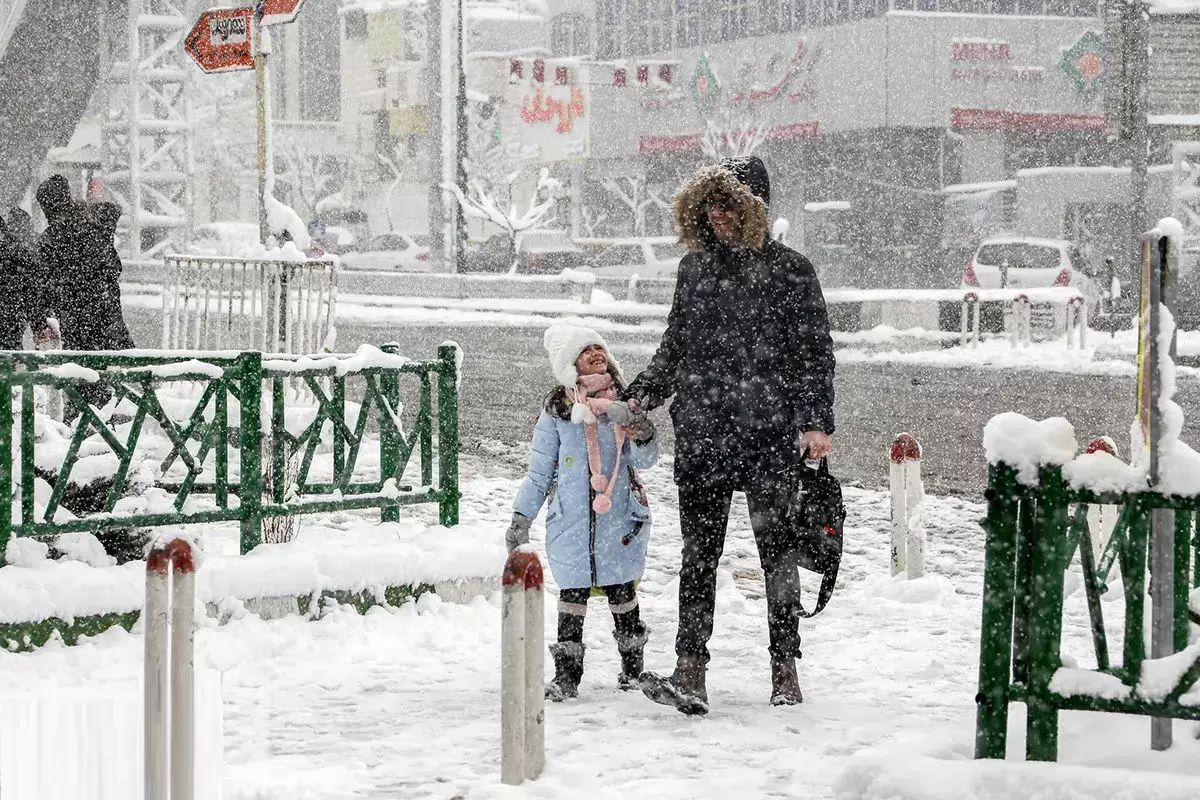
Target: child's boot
{"type": "Point", "coordinates": [631, 646]}
{"type": "Point", "coordinates": [568, 671]}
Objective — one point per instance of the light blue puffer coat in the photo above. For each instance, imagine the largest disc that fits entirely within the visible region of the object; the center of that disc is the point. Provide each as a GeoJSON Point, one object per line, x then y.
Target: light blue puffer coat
{"type": "Point", "coordinates": [585, 548]}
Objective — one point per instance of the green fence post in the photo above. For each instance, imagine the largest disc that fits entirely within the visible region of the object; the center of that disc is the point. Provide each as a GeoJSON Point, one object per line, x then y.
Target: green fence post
{"type": "Point", "coordinates": [250, 481]}
{"type": "Point", "coordinates": [1133, 576]}
{"type": "Point", "coordinates": [221, 434]}
{"type": "Point", "coordinates": [389, 437]}
{"type": "Point", "coordinates": [278, 440]}
{"type": "Point", "coordinates": [1023, 607]}
{"type": "Point", "coordinates": [995, 646]}
{"type": "Point", "coordinates": [1183, 530]}
{"type": "Point", "coordinates": [448, 434]}
{"type": "Point", "coordinates": [28, 507]}
{"type": "Point", "coordinates": [338, 419]}
{"type": "Point", "coordinates": [1045, 623]}
{"type": "Point", "coordinates": [6, 443]}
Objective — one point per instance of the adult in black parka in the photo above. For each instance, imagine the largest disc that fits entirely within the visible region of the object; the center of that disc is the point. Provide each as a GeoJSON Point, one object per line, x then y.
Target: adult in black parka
{"type": "Point", "coordinates": [748, 358]}
{"type": "Point", "coordinates": [83, 270]}
{"type": "Point", "coordinates": [21, 302]}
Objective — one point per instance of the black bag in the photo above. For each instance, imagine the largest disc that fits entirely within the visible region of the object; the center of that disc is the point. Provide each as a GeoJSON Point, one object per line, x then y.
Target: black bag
{"type": "Point", "coordinates": [815, 522]}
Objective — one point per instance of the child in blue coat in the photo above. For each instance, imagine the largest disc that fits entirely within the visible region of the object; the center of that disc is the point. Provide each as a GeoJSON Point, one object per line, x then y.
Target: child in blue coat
{"type": "Point", "coordinates": [586, 446]}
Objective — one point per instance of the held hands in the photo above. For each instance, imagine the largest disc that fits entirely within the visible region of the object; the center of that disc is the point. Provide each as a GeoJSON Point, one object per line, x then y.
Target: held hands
{"type": "Point", "coordinates": [816, 443]}
{"type": "Point", "coordinates": [630, 416]}
{"type": "Point", "coordinates": [518, 532]}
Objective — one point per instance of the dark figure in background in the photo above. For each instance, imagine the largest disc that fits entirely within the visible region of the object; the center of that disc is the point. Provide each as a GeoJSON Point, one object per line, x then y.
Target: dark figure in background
{"type": "Point", "coordinates": [748, 357]}
{"type": "Point", "coordinates": [21, 303]}
{"type": "Point", "coordinates": [82, 268]}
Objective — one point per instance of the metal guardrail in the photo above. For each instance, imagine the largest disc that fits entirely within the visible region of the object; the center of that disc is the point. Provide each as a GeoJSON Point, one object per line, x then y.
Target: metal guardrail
{"type": "Point", "coordinates": [1032, 537]}
{"type": "Point", "coordinates": [216, 303]}
{"type": "Point", "coordinates": [236, 453]}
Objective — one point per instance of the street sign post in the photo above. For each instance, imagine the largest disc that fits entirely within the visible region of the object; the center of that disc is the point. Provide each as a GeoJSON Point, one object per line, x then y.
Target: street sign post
{"type": "Point", "coordinates": [221, 40]}
{"type": "Point", "coordinates": [279, 12]}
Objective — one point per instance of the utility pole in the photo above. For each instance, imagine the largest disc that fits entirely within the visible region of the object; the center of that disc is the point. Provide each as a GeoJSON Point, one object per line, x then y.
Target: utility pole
{"type": "Point", "coordinates": [460, 150]}
{"type": "Point", "coordinates": [434, 117]}
{"type": "Point", "coordinates": [262, 50]}
{"type": "Point", "coordinates": [1135, 126]}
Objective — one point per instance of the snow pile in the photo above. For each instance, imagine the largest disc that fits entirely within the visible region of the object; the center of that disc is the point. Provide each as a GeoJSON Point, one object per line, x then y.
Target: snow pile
{"type": "Point", "coordinates": [83, 547]}
{"type": "Point", "coordinates": [1027, 445]}
{"type": "Point", "coordinates": [928, 589]}
{"type": "Point", "coordinates": [877, 776]}
{"type": "Point", "coordinates": [1072, 682]}
{"type": "Point", "coordinates": [1103, 472]}
{"type": "Point", "coordinates": [23, 552]}
{"type": "Point", "coordinates": [1161, 675]}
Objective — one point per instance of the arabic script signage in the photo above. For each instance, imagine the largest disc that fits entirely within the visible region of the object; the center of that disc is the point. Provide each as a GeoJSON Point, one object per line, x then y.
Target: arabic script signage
{"type": "Point", "coordinates": [552, 118]}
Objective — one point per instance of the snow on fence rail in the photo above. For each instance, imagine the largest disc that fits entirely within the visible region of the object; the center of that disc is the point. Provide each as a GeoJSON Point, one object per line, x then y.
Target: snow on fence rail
{"type": "Point", "coordinates": [211, 437]}
{"type": "Point", "coordinates": [215, 303]}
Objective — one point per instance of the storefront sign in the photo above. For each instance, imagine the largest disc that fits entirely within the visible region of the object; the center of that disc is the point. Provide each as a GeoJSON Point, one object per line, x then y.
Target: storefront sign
{"type": "Point", "coordinates": [1084, 63]}
{"type": "Point", "coordinates": [980, 50]}
{"type": "Point", "coordinates": [551, 117]}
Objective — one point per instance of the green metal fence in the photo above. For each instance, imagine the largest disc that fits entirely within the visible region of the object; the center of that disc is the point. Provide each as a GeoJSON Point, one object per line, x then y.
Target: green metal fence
{"type": "Point", "coordinates": [1033, 535]}
{"type": "Point", "coordinates": [235, 453]}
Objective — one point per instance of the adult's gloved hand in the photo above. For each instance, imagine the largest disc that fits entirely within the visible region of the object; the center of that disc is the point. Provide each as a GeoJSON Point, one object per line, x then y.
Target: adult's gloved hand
{"type": "Point", "coordinates": [620, 413]}
{"type": "Point", "coordinates": [643, 431]}
{"type": "Point", "coordinates": [518, 532]}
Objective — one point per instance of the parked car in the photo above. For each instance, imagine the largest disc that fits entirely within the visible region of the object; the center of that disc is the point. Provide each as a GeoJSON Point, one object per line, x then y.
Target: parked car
{"type": "Point", "coordinates": [547, 252]}
{"type": "Point", "coordinates": [647, 257]}
{"type": "Point", "coordinates": [218, 239]}
{"type": "Point", "coordinates": [396, 251]}
{"type": "Point", "coordinates": [1025, 262]}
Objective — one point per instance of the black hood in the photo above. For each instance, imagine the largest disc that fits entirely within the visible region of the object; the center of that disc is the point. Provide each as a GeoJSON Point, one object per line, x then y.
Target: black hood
{"type": "Point", "coordinates": [54, 196]}
{"type": "Point", "coordinates": [752, 172]}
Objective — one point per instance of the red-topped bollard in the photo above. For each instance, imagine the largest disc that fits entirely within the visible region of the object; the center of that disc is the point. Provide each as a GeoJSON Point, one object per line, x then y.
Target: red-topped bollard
{"type": "Point", "coordinates": [522, 675]}
{"type": "Point", "coordinates": [170, 670]}
{"type": "Point", "coordinates": [1103, 444]}
{"type": "Point", "coordinates": [908, 496]}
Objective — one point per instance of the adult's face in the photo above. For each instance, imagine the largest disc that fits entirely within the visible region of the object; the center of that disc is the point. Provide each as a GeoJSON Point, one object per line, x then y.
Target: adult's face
{"type": "Point", "coordinates": [724, 217]}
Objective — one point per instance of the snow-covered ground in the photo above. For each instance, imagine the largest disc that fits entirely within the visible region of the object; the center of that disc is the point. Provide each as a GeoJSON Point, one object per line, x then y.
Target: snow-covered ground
{"type": "Point", "coordinates": [404, 702]}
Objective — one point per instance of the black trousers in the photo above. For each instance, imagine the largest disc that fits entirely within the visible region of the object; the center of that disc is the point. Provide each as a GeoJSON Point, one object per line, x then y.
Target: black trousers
{"type": "Point", "coordinates": [703, 519]}
{"type": "Point", "coordinates": [622, 602]}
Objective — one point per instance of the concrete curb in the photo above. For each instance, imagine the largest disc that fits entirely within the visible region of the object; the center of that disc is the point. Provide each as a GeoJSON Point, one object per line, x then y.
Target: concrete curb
{"type": "Point", "coordinates": [22, 637]}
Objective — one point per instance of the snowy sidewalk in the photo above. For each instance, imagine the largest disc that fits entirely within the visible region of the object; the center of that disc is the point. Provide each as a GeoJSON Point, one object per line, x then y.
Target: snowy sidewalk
{"type": "Point", "coordinates": [404, 703]}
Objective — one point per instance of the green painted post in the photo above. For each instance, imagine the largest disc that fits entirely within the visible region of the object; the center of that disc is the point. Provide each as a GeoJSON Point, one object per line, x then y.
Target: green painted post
{"type": "Point", "coordinates": [6, 443]}
{"type": "Point", "coordinates": [1045, 623]}
{"type": "Point", "coordinates": [1133, 574]}
{"type": "Point", "coordinates": [1196, 551]}
{"type": "Point", "coordinates": [221, 433]}
{"type": "Point", "coordinates": [278, 440]}
{"type": "Point", "coordinates": [425, 431]}
{"type": "Point", "coordinates": [1183, 529]}
{"type": "Point", "coordinates": [389, 437]}
{"type": "Point", "coordinates": [995, 646]}
{"type": "Point", "coordinates": [1023, 607]}
{"type": "Point", "coordinates": [448, 434]}
{"type": "Point", "coordinates": [1091, 587]}
{"type": "Point", "coordinates": [338, 416]}
{"type": "Point", "coordinates": [250, 482]}
{"type": "Point", "coordinates": [27, 460]}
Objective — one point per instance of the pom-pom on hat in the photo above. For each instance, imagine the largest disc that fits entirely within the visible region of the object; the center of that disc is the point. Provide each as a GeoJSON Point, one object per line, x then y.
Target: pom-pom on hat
{"type": "Point", "coordinates": [564, 343]}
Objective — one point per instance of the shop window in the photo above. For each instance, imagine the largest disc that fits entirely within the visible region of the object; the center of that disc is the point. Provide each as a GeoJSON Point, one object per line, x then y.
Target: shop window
{"type": "Point", "coordinates": [927, 5]}
{"type": "Point", "coordinates": [1030, 7]}
{"type": "Point", "coordinates": [610, 28]}
{"type": "Point", "coordinates": [735, 19]}
{"type": "Point", "coordinates": [902, 5]}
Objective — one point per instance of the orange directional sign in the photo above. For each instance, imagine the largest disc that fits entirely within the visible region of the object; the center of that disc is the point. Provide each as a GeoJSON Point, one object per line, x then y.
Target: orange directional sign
{"type": "Point", "coordinates": [220, 41]}
{"type": "Point", "coordinates": [278, 12]}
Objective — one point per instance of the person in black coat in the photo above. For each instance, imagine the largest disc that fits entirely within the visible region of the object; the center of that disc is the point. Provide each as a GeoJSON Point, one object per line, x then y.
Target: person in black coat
{"type": "Point", "coordinates": [82, 268]}
{"type": "Point", "coordinates": [748, 358]}
{"type": "Point", "coordinates": [21, 302]}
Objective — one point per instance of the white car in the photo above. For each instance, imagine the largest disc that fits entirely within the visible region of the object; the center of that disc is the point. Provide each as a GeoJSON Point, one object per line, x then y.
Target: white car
{"type": "Point", "coordinates": [1024, 262]}
{"type": "Point", "coordinates": [648, 257]}
{"type": "Point", "coordinates": [230, 239]}
{"type": "Point", "coordinates": [394, 251]}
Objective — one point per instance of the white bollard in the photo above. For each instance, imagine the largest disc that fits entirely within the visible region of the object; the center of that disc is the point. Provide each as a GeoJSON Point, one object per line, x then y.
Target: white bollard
{"type": "Point", "coordinates": [1102, 520]}
{"type": "Point", "coordinates": [1076, 323]}
{"type": "Point", "coordinates": [1022, 321]}
{"type": "Point", "coordinates": [170, 673]}
{"type": "Point", "coordinates": [522, 685]}
{"type": "Point", "coordinates": [908, 496]}
{"type": "Point", "coordinates": [970, 319]}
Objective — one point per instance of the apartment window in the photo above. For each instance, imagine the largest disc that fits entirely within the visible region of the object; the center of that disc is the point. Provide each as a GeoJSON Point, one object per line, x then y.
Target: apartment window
{"type": "Point", "coordinates": [1028, 7]}
{"type": "Point", "coordinates": [735, 19]}
{"type": "Point", "coordinates": [902, 5]}
{"type": "Point", "coordinates": [320, 64]}
{"type": "Point", "coordinates": [570, 35]}
{"type": "Point", "coordinates": [790, 15]}
{"type": "Point", "coordinates": [610, 28]}
{"type": "Point", "coordinates": [356, 24]}
{"type": "Point", "coordinates": [657, 24]}
{"type": "Point", "coordinates": [687, 23]}
{"type": "Point", "coordinates": [927, 5]}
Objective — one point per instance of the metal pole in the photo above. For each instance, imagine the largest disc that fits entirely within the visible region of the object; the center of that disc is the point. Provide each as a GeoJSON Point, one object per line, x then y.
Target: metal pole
{"type": "Point", "coordinates": [433, 78]}
{"type": "Point", "coordinates": [460, 150]}
{"type": "Point", "coordinates": [1136, 29]}
{"type": "Point", "coordinates": [261, 53]}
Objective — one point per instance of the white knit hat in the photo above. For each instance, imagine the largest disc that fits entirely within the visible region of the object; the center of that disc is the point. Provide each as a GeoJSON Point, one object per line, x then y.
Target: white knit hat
{"type": "Point", "coordinates": [564, 343]}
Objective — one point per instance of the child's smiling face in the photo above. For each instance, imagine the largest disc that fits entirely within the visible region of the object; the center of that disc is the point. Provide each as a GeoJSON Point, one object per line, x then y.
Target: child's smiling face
{"type": "Point", "coordinates": [592, 361]}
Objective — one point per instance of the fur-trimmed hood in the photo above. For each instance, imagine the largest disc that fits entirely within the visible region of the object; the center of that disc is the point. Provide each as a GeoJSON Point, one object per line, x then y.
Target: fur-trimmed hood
{"type": "Point", "coordinates": [743, 180]}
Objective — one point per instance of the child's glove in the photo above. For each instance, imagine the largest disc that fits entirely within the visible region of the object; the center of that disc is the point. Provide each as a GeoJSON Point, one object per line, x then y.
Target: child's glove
{"type": "Point", "coordinates": [619, 413]}
{"type": "Point", "coordinates": [643, 431]}
{"type": "Point", "coordinates": [518, 532]}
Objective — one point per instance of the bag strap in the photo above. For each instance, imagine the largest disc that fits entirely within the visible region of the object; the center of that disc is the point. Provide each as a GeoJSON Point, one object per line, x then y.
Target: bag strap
{"type": "Point", "coordinates": [827, 583]}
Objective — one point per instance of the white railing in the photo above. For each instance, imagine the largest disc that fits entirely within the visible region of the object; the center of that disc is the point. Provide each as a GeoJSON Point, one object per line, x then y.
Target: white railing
{"type": "Point", "coordinates": [1047, 302]}
{"type": "Point", "coordinates": [212, 303]}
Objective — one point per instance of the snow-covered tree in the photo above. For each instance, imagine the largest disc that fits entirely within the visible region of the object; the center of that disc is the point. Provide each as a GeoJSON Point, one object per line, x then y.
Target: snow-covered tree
{"type": "Point", "coordinates": [735, 127]}
{"type": "Point", "coordinates": [481, 200]}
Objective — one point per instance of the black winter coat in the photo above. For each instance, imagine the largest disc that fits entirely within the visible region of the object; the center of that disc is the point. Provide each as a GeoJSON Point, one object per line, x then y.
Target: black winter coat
{"type": "Point", "coordinates": [84, 277]}
{"type": "Point", "coordinates": [21, 303]}
{"type": "Point", "coordinates": [747, 353]}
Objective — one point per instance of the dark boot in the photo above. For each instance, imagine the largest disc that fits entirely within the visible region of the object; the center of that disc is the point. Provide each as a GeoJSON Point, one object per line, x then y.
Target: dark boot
{"type": "Point", "coordinates": [684, 689]}
{"type": "Point", "coordinates": [568, 671]}
{"type": "Point", "coordinates": [631, 646]}
{"type": "Point", "coordinates": [785, 686]}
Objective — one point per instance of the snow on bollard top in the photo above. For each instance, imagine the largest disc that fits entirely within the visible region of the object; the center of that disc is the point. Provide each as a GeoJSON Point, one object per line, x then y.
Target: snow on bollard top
{"type": "Point", "coordinates": [1103, 444]}
{"type": "Point", "coordinates": [905, 448]}
{"type": "Point", "coordinates": [178, 550]}
{"type": "Point", "coordinates": [523, 568]}
{"type": "Point", "coordinates": [1026, 445]}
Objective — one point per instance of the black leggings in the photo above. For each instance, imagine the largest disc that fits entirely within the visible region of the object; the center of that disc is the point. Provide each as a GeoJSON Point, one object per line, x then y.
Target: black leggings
{"type": "Point", "coordinates": [622, 601]}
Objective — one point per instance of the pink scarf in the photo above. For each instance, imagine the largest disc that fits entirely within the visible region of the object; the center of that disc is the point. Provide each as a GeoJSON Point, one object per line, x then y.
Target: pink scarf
{"type": "Point", "coordinates": [592, 396]}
